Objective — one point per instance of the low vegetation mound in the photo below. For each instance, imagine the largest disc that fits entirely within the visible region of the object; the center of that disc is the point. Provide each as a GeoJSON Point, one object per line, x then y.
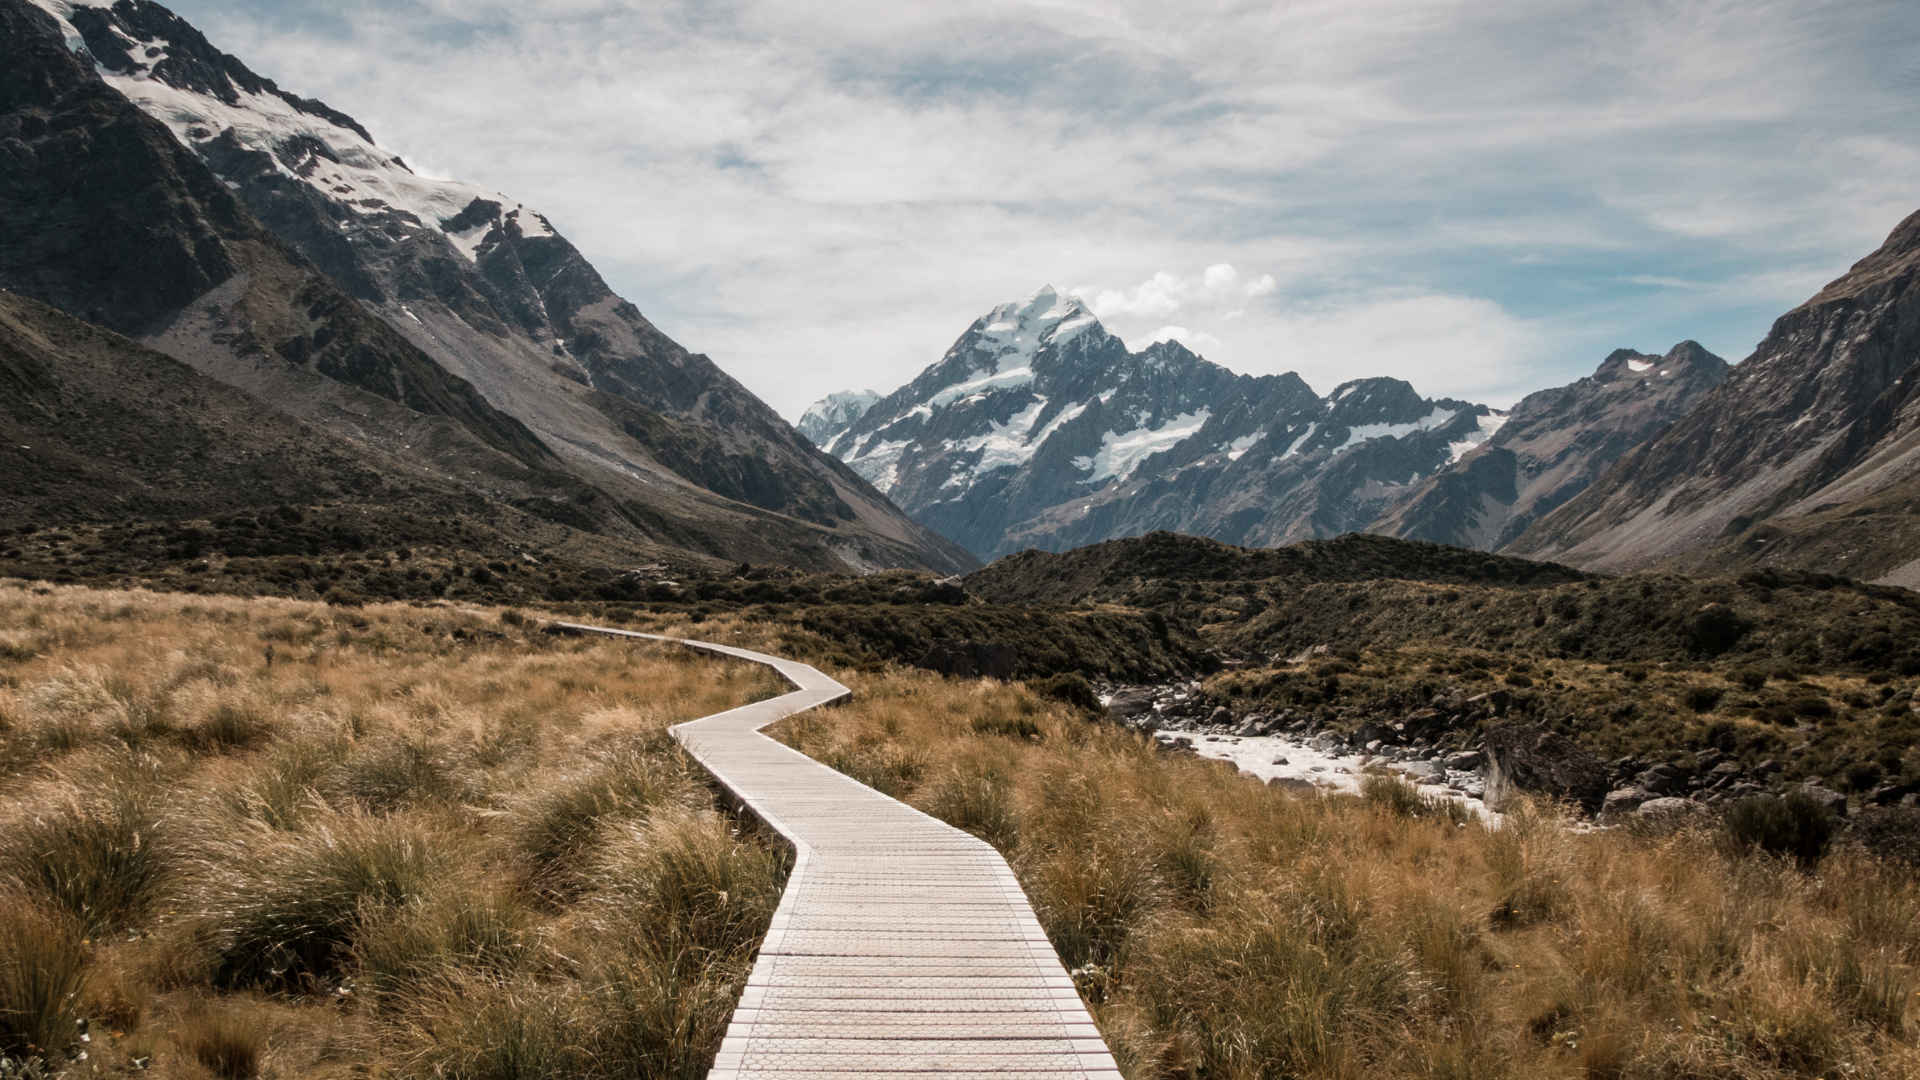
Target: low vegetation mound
{"type": "Point", "coordinates": [1137, 571]}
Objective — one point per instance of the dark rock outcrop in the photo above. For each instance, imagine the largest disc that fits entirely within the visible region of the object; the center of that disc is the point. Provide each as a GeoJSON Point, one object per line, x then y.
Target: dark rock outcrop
{"type": "Point", "coordinates": [1536, 760]}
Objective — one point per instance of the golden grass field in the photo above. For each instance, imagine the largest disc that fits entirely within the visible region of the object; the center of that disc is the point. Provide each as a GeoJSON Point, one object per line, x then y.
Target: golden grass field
{"type": "Point", "coordinates": [262, 837]}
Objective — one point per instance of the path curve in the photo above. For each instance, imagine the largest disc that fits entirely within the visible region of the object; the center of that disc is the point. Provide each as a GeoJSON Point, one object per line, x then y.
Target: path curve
{"type": "Point", "coordinates": [902, 947]}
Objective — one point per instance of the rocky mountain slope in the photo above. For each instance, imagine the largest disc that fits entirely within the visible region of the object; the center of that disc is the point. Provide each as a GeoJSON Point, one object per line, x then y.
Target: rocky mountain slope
{"type": "Point", "coordinates": [1808, 452]}
{"type": "Point", "coordinates": [1038, 428]}
{"type": "Point", "coordinates": [1554, 445]}
{"type": "Point", "coordinates": [266, 240]}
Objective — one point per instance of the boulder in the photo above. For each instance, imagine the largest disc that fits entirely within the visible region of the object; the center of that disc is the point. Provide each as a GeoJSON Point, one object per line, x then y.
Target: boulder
{"type": "Point", "coordinates": [1424, 772]}
{"type": "Point", "coordinates": [1465, 760]}
{"type": "Point", "coordinates": [1890, 793]}
{"type": "Point", "coordinates": [1535, 759]}
{"type": "Point", "coordinates": [1328, 741]}
{"type": "Point", "coordinates": [1662, 807]}
{"type": "Point", "coordinates": [1292, 785]}
{"type": "Point", "coordinates": [1496, 700]}
{"type": "Point", "coordinates": [1131, 702]}
{"type": "Point", "coordinates": [1662, 780]}
{"type": "Point", "coordinates": [1371, 732]}
{"type": "Point", "coordinates": [1622, 802]}
{"type": "Point", "coordinates": [1220, 715]}
{"type": "Point", "coordinates": [1826, 797]}
{"type": "Point", "coordinates": [1724, 773]}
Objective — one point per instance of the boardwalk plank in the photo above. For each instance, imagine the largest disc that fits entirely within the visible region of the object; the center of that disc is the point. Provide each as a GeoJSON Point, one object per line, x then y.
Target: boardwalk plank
{"type": "Point", "coordinates": [902, 947]}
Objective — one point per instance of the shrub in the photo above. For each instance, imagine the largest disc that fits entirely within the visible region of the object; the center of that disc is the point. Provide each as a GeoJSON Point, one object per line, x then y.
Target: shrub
{"type": "Point", "coordinates": [42, 970]}
{"type": "Point", "coordinates": [1795, 825]}
{"type": "Point", "coordinates": [1749, 677]}
{"type": "Point", "coordinates": [1070, 687]}
{"type": "Point", "coordinates": [1701, 698]}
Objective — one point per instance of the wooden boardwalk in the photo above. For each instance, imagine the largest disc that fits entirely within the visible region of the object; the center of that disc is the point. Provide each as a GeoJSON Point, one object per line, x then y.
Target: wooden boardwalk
{"type": "Point", "coordinates": [902, 947]}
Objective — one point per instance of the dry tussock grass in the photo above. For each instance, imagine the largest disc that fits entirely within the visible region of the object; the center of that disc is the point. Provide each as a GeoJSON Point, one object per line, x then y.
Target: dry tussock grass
{"type": "Point", "coordinates": [1219, 928]}
{"type": "Point", "coordinates": [264, 837]}
{"type": "Point", "coordinates": [247, 838]}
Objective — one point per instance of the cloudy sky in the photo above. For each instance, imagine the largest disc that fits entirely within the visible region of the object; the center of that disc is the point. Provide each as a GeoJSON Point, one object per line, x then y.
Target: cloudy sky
{"type": "Point", "coordinates": [1481, 197]}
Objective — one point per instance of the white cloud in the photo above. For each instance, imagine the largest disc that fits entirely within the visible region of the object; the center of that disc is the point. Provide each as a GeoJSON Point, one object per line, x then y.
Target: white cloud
{"type": "Point", "coordinates": [822, 196]}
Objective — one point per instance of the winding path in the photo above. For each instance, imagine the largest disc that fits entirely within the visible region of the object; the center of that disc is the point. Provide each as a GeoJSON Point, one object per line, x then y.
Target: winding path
{"type": "Point", "coordinates": [902, 947]}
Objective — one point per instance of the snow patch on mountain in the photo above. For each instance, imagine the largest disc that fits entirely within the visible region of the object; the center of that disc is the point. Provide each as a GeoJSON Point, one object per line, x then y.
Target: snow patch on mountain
{"type": "Point", "coordinates": [1487, 425]}
{"type": "Point", "coordinates": [1004, 445]}
{"type": "Point", "coordinates": [355, 172]}
{"type": "Point", "coordinates": [1360, 433]}
{"type": "Point", "coordinates": [1295, 446]}
{"type": "Point", "coordinates": [1120, 454]}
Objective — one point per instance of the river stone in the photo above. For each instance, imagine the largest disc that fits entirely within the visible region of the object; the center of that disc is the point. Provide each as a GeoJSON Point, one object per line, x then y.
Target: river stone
{"type": "Point", "coordinates": [1326, 741]}
{"type": "Point", "coordinates": [1424, 772]}
{"type": "Point", "coordinates": [1131, 702]}
{"type": "Point", "coordinates": [1667, 805]}
{"type": "Point", "coordinates": [1826, 797]}
{"type": "Point", "coordinates": [1623, 802]}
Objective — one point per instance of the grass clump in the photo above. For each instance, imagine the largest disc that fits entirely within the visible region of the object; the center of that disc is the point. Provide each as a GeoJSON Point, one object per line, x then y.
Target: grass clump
{"type": "Point", "coordinates": [101, 859]}
{"type": "Point", "coordinates": [287, 908]}
{"type": "Point", "coordinates": [42, 973]}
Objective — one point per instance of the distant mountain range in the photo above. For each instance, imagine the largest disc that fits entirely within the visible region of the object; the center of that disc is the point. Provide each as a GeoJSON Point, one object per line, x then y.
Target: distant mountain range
{"type": "Point", "coordinates": [158, 188]}
{"type": "Point", "coordinates": [1038, 428]}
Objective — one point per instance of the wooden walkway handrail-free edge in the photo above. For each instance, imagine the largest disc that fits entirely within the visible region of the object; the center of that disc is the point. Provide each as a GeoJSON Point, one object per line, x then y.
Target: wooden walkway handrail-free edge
{"type": "Point", "coordinates": [902, 947]}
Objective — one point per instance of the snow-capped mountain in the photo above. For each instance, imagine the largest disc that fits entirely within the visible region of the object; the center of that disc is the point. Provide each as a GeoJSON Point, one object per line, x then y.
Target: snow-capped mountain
{"type": "Point", "coordinates": [834, 414]}
{"type": "Point", "coordinates": [1554, 445]}
{"type": "Point", "coordinates": [485, 290]}
{"type": "Point", "coordinates": [1038, 428]}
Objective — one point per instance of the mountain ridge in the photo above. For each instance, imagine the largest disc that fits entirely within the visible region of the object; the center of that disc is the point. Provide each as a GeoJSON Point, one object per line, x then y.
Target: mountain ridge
{"type": "Point", "coordinates": [666, 438]}
{"type": "Point", "coordinates": [1822, 417]}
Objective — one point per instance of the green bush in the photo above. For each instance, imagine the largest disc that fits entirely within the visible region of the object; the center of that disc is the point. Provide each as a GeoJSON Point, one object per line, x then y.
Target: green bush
{"type": "Point", "coordinates": [1069, 687]}
{"type": "Point", "coordinates": [1701, 698]}
{"type": "Point", "coordinates": [1796, 826]}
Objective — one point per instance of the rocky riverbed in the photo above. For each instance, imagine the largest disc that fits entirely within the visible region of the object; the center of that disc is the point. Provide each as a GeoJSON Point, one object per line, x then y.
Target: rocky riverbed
{"type": "Point", "coordinates": [1459, 747]}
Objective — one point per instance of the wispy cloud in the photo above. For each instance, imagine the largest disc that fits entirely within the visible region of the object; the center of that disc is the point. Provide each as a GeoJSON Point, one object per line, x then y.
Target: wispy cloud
{"type": "Point", "coordinates": [1482, 196]}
